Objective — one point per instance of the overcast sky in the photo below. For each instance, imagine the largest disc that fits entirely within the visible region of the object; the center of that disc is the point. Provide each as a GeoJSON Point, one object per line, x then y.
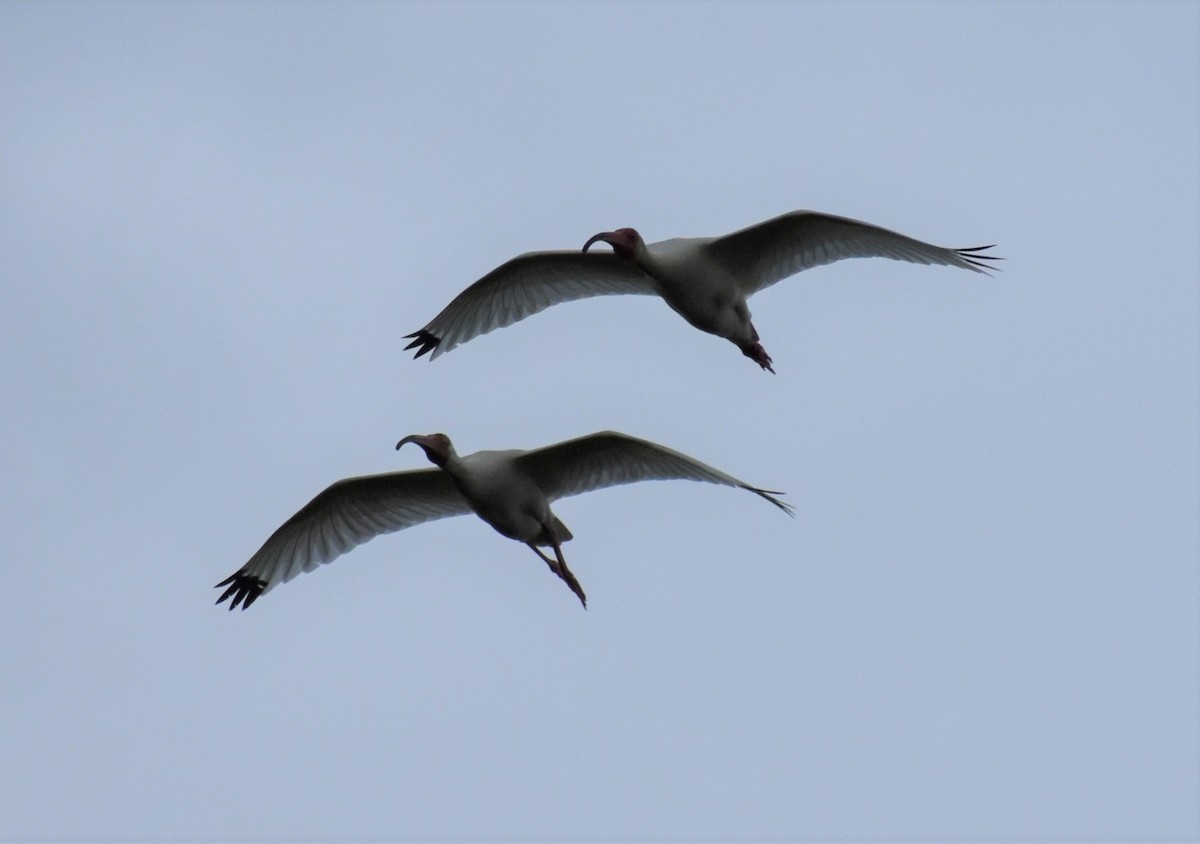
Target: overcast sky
{"type": "Point", "coordinates": [218, 220]}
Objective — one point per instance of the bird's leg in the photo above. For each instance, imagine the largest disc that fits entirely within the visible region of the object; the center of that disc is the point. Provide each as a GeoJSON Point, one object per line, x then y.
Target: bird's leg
{"type": "Point", "coordinates": [566, 575]}
{"type": "Point", "coordinates": [559, 567]}
{"type": "Point", "coordinates": [553, 565]}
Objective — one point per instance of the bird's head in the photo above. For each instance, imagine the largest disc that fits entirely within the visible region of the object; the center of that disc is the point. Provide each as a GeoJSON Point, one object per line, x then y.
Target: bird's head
{"type": "Point", "coordinates": [438, 447]}
{"type": "Point", "coordinates": [625, 242]}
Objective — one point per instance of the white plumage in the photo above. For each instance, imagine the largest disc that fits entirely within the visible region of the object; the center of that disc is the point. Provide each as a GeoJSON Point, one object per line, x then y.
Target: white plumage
{"type": "Point", "coordinates": [510, 490]}
{"type": "Point", "coordinates": [705, 280]}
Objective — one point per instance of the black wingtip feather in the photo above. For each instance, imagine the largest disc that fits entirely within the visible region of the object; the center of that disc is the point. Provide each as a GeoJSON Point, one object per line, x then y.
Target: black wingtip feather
{"type": "Point", "coordinates": [243, 588]}
{"type": "Point", "coordinates": [427, 342]}
{"type": "Point", "coordinates": [971, 255]}
{"type": "Point", "coordinates": [769, 495]}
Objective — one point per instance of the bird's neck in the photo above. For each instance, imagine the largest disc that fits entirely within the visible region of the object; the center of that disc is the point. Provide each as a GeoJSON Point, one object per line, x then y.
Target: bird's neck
{"type": "Point", "coordinates": [438, 458]}
{"type": "Point", "coordinates": [451, 464]}
{"type": "Point", "coordinates": [645, 260]}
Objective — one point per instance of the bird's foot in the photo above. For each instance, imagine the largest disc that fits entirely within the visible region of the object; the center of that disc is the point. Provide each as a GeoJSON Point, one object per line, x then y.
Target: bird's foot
{"type": "Point", "coordinates": [559, 566]}
{"type": "Point", "coordinates": [758, 354]}
{"type": "Point", "coordinates": [570, 580]}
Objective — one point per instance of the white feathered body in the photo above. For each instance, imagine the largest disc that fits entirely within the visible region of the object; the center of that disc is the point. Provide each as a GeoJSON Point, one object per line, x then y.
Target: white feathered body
{"type": "Point", "coordinates": [700, 289]}
{"type": "Point", "coordinates": [510, 490]}
{"type": "Point", "coordinates": [503, 495]}
{"type": "Point", "coordinates": [706, 280]}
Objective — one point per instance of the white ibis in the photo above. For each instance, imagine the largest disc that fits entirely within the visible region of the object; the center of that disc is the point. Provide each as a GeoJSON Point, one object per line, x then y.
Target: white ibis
{"type": "Point", "coordinates": [510, 490]}
{"type": "Point", "coordinates": [706, 280]}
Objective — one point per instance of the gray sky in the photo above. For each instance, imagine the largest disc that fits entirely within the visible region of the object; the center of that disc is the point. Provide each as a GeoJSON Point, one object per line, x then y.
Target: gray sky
{"type": "Point", "coordinates": [220, 219]}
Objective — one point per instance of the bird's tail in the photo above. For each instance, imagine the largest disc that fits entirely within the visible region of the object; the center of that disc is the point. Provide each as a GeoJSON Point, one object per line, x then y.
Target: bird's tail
{"type": "Point", "coordinates": [562, 531]}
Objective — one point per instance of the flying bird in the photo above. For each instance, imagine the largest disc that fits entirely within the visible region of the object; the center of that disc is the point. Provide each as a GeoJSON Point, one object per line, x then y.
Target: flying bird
{"type": "Point", "coordinates": [706, 280]}
{"type": "Point", "coordinates": [510, 490]}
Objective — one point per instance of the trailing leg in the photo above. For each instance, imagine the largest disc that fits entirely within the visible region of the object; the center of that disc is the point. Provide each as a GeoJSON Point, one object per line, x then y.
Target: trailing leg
{"type": "Point", "coordinates": [559, 567]}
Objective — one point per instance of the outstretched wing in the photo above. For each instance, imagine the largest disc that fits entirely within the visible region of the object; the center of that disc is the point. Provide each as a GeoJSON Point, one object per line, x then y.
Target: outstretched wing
{"type": "Point", "coordinates": [525, 285]}
{"type": "Point", "coordinates": [344, 516]}
{"type": "Point", "coordinates": [609, 458]}
{"type": "Point", "coordinates": [762, 254]}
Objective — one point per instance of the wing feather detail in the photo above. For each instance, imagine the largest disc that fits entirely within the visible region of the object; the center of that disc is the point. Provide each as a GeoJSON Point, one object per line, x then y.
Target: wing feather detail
{"type": "Point", "coordinates": [765, 253]}
{"type": "Point", "coordinates": [343, 516]}
{"type": "Point", "coordinates": [610, 458]}
{"type": "Point", "coordinates": [521, 288]}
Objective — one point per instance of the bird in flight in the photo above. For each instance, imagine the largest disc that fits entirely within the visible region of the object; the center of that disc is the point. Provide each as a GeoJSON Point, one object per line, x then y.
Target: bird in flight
{"type": "Point", "coordinates": [706, 280]}
{"type": "Point", "coordinates": [510, 490]}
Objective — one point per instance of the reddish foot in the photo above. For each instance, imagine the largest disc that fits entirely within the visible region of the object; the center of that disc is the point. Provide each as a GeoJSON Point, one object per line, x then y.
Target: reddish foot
{"type": "Point", "coordinates": [758, 354]}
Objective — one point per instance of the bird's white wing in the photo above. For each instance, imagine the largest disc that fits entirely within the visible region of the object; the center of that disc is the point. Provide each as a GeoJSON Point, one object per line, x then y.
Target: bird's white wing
{"type": "Point", "coordinates": [609, 458]}
{"type": "Point", "coordinates": [762, 254]}
{"type": "Point", "coordinates": [523, 286]}
{"type": "Point", "coordinates": [347, 514]}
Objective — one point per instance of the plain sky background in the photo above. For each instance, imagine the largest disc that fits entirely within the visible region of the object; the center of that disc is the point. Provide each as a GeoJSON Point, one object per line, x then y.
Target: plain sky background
{"type": "Point", "coordinates": [217, 222]}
